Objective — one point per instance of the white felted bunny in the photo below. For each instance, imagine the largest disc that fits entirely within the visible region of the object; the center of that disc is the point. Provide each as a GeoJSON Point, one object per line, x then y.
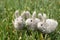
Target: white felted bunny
{"type": "Point", "coordinates": [32, 22]}
{"type": "Point", "coordinates": [19, 21]}
{"type": "Point", "coordinates": [47, 25]}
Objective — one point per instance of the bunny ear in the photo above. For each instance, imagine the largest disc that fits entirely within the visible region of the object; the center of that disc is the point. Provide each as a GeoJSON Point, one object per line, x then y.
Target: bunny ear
{"type": "Point", "coordinates": [39, 15]}
{"type": "Point", "coordinates": [23, 14]}
{"type": "Point", "coordinates": [28, 15]}
{"type": "Point", "coordinates": [16, 13]}
{"type": "Point", "coordinates": [44, 15]}
{"type": "Point", "coordinates": [34, 15]}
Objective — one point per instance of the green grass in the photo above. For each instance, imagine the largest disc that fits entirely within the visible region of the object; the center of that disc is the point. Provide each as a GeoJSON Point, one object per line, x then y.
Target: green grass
{"type": "Point", "coordinates": [7, 9]}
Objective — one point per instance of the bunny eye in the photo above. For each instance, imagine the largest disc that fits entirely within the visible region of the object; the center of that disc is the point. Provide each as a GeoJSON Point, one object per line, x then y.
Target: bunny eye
{"type": "Point", "coordinates": [41, 24]}
{"type": "Point", "coordinates": [31, 20]}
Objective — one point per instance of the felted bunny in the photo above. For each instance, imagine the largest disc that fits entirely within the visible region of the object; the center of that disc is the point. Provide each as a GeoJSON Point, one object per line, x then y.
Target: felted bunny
{"type": "Point", "coordinates": [47, 25]}
{"type": "Point", "coordinates": [26, 14]}
{"type": "Point", "coordinates": [32, 22]}
{"type": "Point", "coordinates": [18, 22]}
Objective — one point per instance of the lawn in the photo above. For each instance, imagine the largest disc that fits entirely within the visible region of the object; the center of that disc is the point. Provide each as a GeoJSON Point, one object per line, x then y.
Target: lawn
{"type": "Point", "coordinates": [7, 9]}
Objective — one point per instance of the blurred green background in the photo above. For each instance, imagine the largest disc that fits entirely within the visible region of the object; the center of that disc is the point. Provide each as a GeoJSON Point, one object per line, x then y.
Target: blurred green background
{"type": "Point", "coordinates": [7, 9]}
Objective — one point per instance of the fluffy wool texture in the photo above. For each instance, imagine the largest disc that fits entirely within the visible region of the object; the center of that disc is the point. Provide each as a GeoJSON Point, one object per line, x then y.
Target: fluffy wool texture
{"type": "Point", "coordinates": [42, 23]}
{"type": "Point", "coordinates": [47, 25]}
{"type": "Point", "coordinates": [32, 22]}
{"type": "Point", "coordinates": [18, 21]}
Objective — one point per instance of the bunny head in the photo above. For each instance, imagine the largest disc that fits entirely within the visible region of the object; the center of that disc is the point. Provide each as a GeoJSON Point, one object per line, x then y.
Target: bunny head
{"type": "Point", "coordinates": [19, 21]}
{"type": "Point", "coordinates": [40, 24]}
{"type": "Point", "coordinates": [18, 18]}
{"type": "Point", "coordinates": [29, 21]}
{"type": "Point", "coordinates": [32, 22]}
{"type": "Point", "coordinates": [43, 27]}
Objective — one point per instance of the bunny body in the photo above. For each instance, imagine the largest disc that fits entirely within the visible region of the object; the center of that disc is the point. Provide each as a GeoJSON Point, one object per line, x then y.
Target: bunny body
{"type": "Point", "coordinates": [19, 22]}
{"type": "Point", "coordinates": [32, 22]}
{"type": "Point", "coordinates": [47, 25]}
